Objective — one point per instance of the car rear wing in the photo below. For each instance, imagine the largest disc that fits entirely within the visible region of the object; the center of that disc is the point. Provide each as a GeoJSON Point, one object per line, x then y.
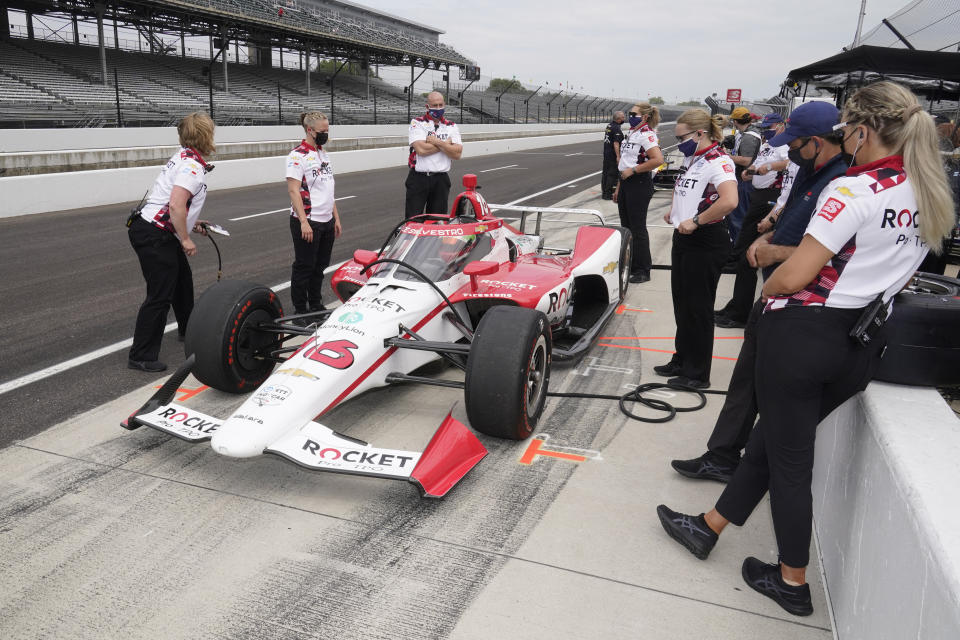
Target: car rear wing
{"type": "Point", "coordinates": [525, 213]}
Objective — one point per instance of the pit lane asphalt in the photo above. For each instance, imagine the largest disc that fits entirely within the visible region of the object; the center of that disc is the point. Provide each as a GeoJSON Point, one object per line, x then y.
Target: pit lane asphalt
{"type": "Point", "coordinates": [71, 283]}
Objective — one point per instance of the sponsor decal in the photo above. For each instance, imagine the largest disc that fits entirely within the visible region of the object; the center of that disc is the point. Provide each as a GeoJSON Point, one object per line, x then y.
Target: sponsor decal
{"type": "Point", "coordinates": [557, 299]}
{"type": "Point", "coordinates": [830, 209]}
{"type": "Point", "coordinates": [430, 231]}
{"type": "Point", "coordinates": [903, 218]}
{"type": "Point", "coordinates": [727, 167]}
{"type": "Point", "coordinates": [358, 457]}
{"type": "Point", "coordinates": [380, 304]}
{"type": "Point", "coordinates": [176, 418]}
{"type": "Point", "coordinates": [480, 228]}
{"type": "Point", "coordinates": [271, 395]}
{"type": "Point", "coordinates": [652, 138]}
{"type": "Point", "coordinates": [610, 267]}
{"type": "Point", "coordinates": [845, 191]}
{"type": "Point", "coordinates": [297, 373]}
{"type": "Point", "coordinates": [350, 317]}
{"type": "Point", "coordinates": [243, 416]}
{"type": "Point", "coordinates": [335, 353]}
{"type": "Point", "coordinates": [505, 284]}
{"type": "Point", "coordinates": [491, 294]}
{"type": "Point", "coordinates": [348, 328]}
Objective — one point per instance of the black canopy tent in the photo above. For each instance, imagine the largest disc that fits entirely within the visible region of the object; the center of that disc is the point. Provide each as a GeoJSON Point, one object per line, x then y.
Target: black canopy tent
{"type": "Point", "coordinates": [934, 75]}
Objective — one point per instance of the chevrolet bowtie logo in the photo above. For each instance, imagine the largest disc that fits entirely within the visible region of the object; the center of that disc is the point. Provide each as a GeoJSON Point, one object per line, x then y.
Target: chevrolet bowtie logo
{"type": "Point", "coordinates": [298, 373]}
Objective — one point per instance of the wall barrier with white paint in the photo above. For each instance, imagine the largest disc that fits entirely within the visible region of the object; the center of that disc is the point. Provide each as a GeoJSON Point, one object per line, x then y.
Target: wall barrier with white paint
{"type": "Point", "coordinates": [886, 515]}
{"type": "Point", "coordinates": [22, 195]}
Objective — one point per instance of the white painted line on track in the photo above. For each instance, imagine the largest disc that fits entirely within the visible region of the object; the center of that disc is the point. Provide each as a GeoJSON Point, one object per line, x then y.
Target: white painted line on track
{"type": "Point", "coordinates": [104, 351]}
{"type": "Point", "coordinates": [125, 344]}
{"type": "Point", "coordinates": [498, 168]}
{"type": "Point", "coordinates": [567, 155]}
{"type": "Point", "coordinates": [266, 213]}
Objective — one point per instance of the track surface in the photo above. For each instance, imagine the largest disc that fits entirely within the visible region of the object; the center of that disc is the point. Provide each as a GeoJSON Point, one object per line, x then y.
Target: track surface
{"type": "Point", "coordinates": [71, 283]}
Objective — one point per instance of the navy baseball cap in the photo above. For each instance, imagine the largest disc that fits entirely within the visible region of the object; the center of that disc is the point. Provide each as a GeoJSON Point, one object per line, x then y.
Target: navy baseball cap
{"type": "Point", "coordinates": [771, 119]}
{"type": "Point", "coordinates": [809, 119]}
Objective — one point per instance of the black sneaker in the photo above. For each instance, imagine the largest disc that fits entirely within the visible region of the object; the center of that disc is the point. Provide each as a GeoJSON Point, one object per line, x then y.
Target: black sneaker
{"type": "Point", "coordinates": [690, 531]}
{"type": "Point", "coordinates": [669, 369]}
{"type": "Point", "coordinates": [693, 383]}
{"type": "Point", "coordinates": [766, 579]}
{"type": "Point", "coordinates": [638, 277]}
{"type": "Point", "coordinates": [150, 366]}
{"type": "Point", "coordinates": [726, 322]}
{"type": "Point", "coordinates": [706, 467]}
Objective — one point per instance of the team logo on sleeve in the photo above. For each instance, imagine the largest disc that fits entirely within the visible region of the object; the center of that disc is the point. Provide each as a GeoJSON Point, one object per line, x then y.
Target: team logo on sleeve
{"type": "Point", "coordinates": [830, 209]}
{"type": "Point", "coordinates": [727, 167]}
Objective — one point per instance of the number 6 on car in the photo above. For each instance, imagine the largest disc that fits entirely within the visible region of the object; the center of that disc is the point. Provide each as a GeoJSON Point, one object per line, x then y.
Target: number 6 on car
{"type": "Point", "coordinates": [465, 287]}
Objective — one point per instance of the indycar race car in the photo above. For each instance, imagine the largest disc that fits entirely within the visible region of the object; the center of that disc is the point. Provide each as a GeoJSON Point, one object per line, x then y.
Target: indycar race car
{"type": "Point", "coordinates": [466, 287]}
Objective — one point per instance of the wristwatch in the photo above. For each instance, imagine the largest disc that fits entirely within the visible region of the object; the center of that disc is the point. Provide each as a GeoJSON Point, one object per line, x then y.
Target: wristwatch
{"type": "Point", "coordinates": [696, 219]}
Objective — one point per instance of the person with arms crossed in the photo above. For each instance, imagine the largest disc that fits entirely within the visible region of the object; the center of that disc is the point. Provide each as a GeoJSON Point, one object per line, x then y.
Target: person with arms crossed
{"type": "Point", "coordinates": [704, 193]}
{"type": "Point", "coordinates": [434, 142]}
{"type": "Point", "coordinates": [612, 138]}
{"type": "Point", "coordinates": [639, 155]}
{"type": "Point", "coordinates": [160, 235]}
{"type": "Point", "coordinates": [813, 351]}
{"type": "Point", "coordinates": [314, 218]}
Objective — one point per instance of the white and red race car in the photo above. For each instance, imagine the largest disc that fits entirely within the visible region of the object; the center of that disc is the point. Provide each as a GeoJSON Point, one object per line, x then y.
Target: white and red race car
{"type": "Point", "coordinates": [466, 287]}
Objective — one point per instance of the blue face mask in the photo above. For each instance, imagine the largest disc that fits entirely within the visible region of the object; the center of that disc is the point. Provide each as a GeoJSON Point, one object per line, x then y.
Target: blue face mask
{"type": "Point", "coordinates": [436, 114]}
{"type": "Point", "coordinates": [635, 121]}
{"type": "Point", "coordinates": [687, 147]}
{"type": "Point", "coordinates": [769, 133]}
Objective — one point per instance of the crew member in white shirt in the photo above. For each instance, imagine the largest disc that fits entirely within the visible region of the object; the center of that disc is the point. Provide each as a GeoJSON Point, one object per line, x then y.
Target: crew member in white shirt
{"type": "Point", "coordinates": [640, 154]}
{"type": "Point", "coordinates": [766, 174]}
{"type": "Point", "coordinates": [871, 230]}
{"type": "Point", "coordinates": [704, 193]}
{"type": "Point", "coordinates": [314, 218]}
{"type": "Point", "coordinates": [160, 235]}
{"type": "Point", "coordinates": [434, 143]}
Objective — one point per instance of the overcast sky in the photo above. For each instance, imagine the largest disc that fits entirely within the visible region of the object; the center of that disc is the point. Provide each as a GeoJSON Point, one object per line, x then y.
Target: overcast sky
{"type": "Point", "coordinates": [676, 49]}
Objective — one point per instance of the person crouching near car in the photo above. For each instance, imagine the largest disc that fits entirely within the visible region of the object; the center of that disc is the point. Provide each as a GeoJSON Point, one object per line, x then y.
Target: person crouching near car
{"type": "Point", "coordinates": [854, 257]}
{"type": "Point", "coordinates": [160, 235]}
{"type": "Point", "coordinates": [704, 193]}
{"type": "Point", "coordinates": [639, 155]}
{"type": "Point", "coordinates": [314, 218]}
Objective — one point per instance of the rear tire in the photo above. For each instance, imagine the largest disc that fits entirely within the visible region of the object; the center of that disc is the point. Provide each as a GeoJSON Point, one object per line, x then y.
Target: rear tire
{"type": "Point", "coordinates": [222, 334]}
{"type": "Point", "coordinates": [923, 334]}
{"type": "Point", "coordinates": [508, 372]}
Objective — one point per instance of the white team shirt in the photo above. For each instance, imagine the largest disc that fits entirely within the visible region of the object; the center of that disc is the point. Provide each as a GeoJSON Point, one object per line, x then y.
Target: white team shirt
{"type": "Point", "coordinates": [868, 219]}
{"type": "Point", "coordinates": [311, 166]}
{"type": "Point", "coordinates": [769, 155]}
{"type": "Point", "coordinates": [445, 130]}
{"type": "Point", "coordinates": [186, 169]}
{"type": "Point", "coordinates": [788, 179]}
{"type": "Point", "coordinates": [696, 188]}
{"type": "Point", "coordinates": [636, 143]}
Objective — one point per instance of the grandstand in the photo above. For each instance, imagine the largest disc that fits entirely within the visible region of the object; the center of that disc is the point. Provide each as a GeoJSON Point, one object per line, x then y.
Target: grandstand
{"type": "Point", "coordinates": [99, 79]}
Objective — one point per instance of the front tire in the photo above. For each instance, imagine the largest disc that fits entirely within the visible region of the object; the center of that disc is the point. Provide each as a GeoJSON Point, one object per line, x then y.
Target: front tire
{"type": "Point", "coordinates": [508, 372]}
{"type": "Point", "coordinates": [222, 334]}
{"type": "Point", "coordinates": [626, 249]}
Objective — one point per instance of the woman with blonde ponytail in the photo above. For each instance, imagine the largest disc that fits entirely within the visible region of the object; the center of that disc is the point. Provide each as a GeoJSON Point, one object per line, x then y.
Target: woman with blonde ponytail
{"type": "Point", "coordinates": [871, 229]}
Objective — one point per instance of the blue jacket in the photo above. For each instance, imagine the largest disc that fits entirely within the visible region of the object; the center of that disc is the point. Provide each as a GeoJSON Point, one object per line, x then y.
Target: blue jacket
{"type": "Point", "coordinates": [796, 214]}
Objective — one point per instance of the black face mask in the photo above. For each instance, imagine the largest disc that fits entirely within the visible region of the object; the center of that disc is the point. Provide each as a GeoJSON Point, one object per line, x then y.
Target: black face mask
{"type": "Point", "coordinates": [800, 161]}
{"type": "Point", "coordinates": [321, 138]}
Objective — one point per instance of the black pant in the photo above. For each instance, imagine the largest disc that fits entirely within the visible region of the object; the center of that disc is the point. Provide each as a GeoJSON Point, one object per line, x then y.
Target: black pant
{"type": "Point", "coordinates": [696, 260]}
{"type": "Point", "coordinates": [430, 191]}
{"type": "Point", "coordinates": [309, 261]}
{"type": "Point", "coordinates": [169, 282]}
{"type": "Point", "coordinates": [806, 367]}
{"type": "Point", "coordinates": [609, 177]}
{"type": "Point", "coordinates": [739, 412]}
{"type": "Point", "coordinates": [745, 286]}
{"type": "Point", "coordinates": [632, 203]}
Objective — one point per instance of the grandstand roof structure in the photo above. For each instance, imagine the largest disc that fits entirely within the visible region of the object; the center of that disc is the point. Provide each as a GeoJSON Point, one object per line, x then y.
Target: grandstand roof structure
{"type": "Point", "coordinates": [334, 27]}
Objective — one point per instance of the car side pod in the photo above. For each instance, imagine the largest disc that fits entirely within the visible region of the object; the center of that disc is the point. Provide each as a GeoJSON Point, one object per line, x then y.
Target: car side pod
{"type": "Point", "coordinates": [452, 452]}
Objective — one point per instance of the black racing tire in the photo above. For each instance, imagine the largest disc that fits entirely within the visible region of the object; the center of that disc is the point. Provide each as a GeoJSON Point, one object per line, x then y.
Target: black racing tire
{"type": "Point", "coordinates": [626, 250]}
{"type": "Point", "coordinates": [222, 335]}
{"type": "Point", "coordinates": [923, 334]}
{"type": "Point", "coordinates": [508, 372]}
